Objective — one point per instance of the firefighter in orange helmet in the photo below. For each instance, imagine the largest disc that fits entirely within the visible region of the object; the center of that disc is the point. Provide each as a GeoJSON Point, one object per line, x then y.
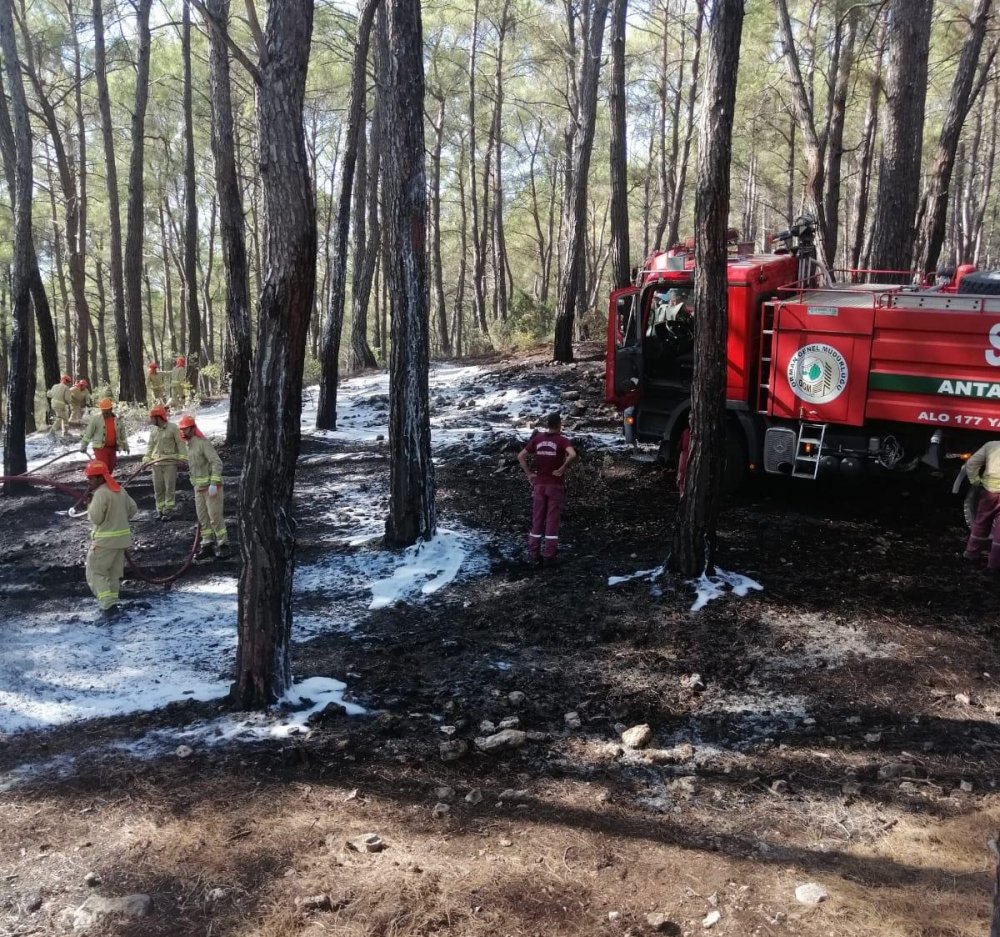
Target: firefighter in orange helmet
{"type": "Point", "coordinates": [110, 510]}
{"type": "Point", "coordinates": [60, 397]}
{"type": "Point", "coordinates": [107, 437]}
{"type": "Point", "coordinates": [155, 384]}
{"type": "Point", "coordinates": [205, 469]}
{"type": "Point", "coordinates": [165, 450]}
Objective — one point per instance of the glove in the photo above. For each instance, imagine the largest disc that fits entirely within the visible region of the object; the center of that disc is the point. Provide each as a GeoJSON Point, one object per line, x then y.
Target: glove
{"type": "Point", "coordinates": [83, 447]}
{"type": "Point", "coordinates": [213, 490]}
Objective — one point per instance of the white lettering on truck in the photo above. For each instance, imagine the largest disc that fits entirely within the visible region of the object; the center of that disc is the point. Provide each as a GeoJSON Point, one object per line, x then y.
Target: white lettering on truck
{"type": "Point", "coordinates": [993, 354]}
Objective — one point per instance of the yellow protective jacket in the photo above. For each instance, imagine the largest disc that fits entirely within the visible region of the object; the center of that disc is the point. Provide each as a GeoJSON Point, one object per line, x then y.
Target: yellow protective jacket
{"type": "Point", "coordinates": [79, 397]}
{"type": "Point", "coordinates": [983, 467]}
{"type": "Point", "coordinates": [93, 433]}
{"type": "Point", "coordinates": [204, 464]}
{"type": "Point", "coordinates": [178, 381]}
{"type": "Point", "coordinates": [60, 393]}
{"type": "Point", "coordinates": [156, 383]}
{"type": "Point", "coordinates": [164, 443]}
{"type": "Point", "coordinates": [109, 513]}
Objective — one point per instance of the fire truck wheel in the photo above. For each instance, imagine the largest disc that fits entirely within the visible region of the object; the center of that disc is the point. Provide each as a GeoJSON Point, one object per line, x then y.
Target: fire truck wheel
{"type": "Point", "coordinates": [970, 503]}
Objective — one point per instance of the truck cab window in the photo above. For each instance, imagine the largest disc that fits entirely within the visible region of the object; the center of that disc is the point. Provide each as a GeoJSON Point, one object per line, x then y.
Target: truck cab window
{"type": "Point", "coordinates": [627, 323]}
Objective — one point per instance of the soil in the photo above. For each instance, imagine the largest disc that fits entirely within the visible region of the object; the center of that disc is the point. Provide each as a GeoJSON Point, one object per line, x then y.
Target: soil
{"type": "Point", "coordinates": [839, 727]}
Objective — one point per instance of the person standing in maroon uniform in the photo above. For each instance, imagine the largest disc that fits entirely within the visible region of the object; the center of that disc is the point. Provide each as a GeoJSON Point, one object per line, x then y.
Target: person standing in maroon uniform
{"type": "Point", "coordinates": [553, 454]}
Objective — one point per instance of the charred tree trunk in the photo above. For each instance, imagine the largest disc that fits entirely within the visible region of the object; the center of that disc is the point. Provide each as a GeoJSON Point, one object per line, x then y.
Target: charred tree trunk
{"type": "Point", "coordinates": [411, 472]}
{"type": "Point", "coordinates": [576, 220]}
{"type": "Point", "coordinates": [267, 539]}
{"type": "Point", "coordinates": [133, 387]}
{"type": "Point", "coordinates": [440, 306]}
{"type": "Point", "coordinates": [934, 205]}
{"type": "Point", "coordinates": [15, 461]}
{"type": "Point", "coordinates": [693, 548]}
{"type": "Point", "coordinates": [190, 210]}
{"type": "Point", "coordinates": [899, 167]}
{"type": "Point", "coordinates": [326, 414]}
{"type": "Point", "coordinates": [232, 226]}
{"type": "Point", "coordinates": [620, 260]}
{"type": "Point", "coordinates": [84, 324]}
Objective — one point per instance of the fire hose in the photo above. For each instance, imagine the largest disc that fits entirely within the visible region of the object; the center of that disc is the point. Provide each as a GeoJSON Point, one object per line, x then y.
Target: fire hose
{"type": "Point", "coordinates": [81, 496]}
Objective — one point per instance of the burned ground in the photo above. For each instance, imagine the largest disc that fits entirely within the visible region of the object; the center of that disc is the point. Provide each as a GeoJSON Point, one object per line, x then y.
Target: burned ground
{"type": "Point", "coordinates": [840, 727]}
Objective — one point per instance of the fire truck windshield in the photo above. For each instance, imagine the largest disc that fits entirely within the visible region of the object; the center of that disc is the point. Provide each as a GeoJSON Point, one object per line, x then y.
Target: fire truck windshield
{"type": "Point", "coordinates": [668, 307]}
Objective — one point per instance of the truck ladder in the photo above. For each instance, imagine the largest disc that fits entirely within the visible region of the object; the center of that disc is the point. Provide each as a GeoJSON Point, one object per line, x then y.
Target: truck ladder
{"type": "Point", "coordinates": [766, 355]}
{"type": "Point", "coordinates": [808, 450]}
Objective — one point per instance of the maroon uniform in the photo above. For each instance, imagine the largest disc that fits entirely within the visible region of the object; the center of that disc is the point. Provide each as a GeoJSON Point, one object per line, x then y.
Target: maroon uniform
{"type": "Point", "coordinates": [549, 492]}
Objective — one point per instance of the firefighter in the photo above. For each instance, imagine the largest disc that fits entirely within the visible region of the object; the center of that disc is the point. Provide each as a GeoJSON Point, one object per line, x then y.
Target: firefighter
{"type": "Point", "coordinates": [60, 397]}
{"type": "Point", "coordinates": [155, 385]}
{"type": "Point", "coordinates": [110, 511]}
{"type": "Point", "coordinates": [79, 400]}
{"type": "Point", "coordinates": [553, 454]}
{"type": "Point", "coordinates": [983, 468]}
{"type": "Point", "coordinates": [178, 383]}
{"type": "Point", "coordinates": [165, 451]}
{"type": "Point", "coordinates": [104, 433]}
{"type": "Point", "coordinates": [205, 469]}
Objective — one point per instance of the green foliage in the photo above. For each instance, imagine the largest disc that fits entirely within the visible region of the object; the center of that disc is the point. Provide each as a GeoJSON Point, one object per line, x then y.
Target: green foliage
{"type": "Point", "coordinates": [529, 323]}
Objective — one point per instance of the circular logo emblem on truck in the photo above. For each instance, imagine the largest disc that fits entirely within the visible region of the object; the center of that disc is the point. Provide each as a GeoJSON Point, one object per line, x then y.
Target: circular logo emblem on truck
{"type": "Point", "coordinates": [817, 373]}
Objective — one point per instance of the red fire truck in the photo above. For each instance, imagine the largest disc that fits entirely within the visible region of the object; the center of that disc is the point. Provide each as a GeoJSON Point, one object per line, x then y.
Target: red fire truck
{"type": "Point", "coordinates": [864, 372]}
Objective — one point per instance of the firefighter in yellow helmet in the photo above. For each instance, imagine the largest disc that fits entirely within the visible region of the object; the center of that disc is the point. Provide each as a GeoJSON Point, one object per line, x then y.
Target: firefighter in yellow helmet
{"type": "Point", "coordinates": [79, 400]}
{"type": "Point", "coordinates": [205, 469]}
{"type": "Point", "coordinates": [107, 437]}
{"type": "Point", "coordinates": [110, 511]}
{"type": "Point", "coordinates": [60, 397]}
{"type": "Point", "coordinates": [155, 385]}
{"type": "Point", "coordinates": [165, 451]}
{"type": "Point", "coordinates": [178, 383]}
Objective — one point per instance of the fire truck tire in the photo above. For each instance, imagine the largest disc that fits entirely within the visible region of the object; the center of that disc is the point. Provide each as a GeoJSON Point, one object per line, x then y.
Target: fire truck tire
{"type": "Point", "coordinates": [983, 282]}
{"type": "Point", "coordinates": [971, 503]}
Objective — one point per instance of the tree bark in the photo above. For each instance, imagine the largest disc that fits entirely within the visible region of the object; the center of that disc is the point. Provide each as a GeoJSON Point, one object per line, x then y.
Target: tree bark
{"type": "Point", "coordinates": [478, 225]}
{"type": "Point", "coordinates": [411, 472]}
{"type": "Point", "coordinates": [84, 324]}
{"type": "Point", "coordinates": [899, 167]}
{"type": "Point", "coordinates": [135, 387]}
{"type": "Point", "coordinates": [15, 461]}
{"type": "Point", "coordinates": [232, 226]}
{"type": "Point", "coordinates": [620, 260]}
{"type": "Point", "coordinates": [326, 414]}
{"type": "Point", "coordinates": [267, 540]}
{"type": "Point", "coordinates": [694, 538]}
{"type": "Point", "coordinates": [122, 346]}
{"type": "Point", "coordinates": [866, 158]}
{"type": "Point", "coordinates": [576, 220]}
{"type": "Point", "coordinates": [190, 210]}
{"type": "Point", "coordinates": [437, 277]}
{"type": "Point", "coordinates": [934, 204]}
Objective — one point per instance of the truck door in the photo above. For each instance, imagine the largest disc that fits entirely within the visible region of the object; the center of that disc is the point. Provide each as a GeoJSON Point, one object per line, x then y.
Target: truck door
{"type": "Point", "coordinates": [624, 375]}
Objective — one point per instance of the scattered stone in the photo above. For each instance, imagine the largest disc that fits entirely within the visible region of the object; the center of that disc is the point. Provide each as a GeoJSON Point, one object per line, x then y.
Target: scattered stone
{"type": "Point", "coordinates": [713, 900]}
{"type": "Point", "coordinates": [637, 737]}
{"type": "Point", "coordinates": [570, 395]}
{"type": "Point", "coordinates": [811, 894]}
{"type": "Point", "coordinates": [501, 741]}
{"type": "Point", "coordinates": [660, 923]}
{"type": "Point", "coordinates": [512, 796]}
{"type": "Point", "coordinates": [511, 722]}
{"type": "Point", "coordinates": [92, 879]}
{"type": "Point", "coordinates": [314, 903]}
{"type": "Point", "coordinates": [536, 735]}
{"type": "Point", "coordinates": [850, 789]}
{"type": "Point", "coordinates": [217, 894]}
{"type": "Point", "coordinates": [853, 720]}
{"type": "Point", "coordinates": [966, 787]}
{"type": "Point", "coordinates": [573, 720]}
{"type": "Point", "coordinates": [873, 737]}
{"type": "Point", "coordinates": [682, 788]}
{"type": "Point", "coordinates": [780, 787]}
{"type": "Point", "coordinates": [445, 794]}
{"type": "Point", "coordinates": [486, 727]}
{"type": "Point", "coordinates": [908, 787]}
{"type": "Point", "coordinates": [475, 796]}
{"type": "Point", "coordinates": [711, 919]}
{"type": "Point", "coordinates": [370, 842]}
{"type": "Point", "coordinates": [95, 909]}
{"type": "Point", "coordinates": [453, 749]}
{"type": "Point", "coordinates": [184, 751]}
{"type": "Point", "coordinates": [506, 843]}
{"type": "Point", "coordinates": [441, 810]}
{"type": "Point", "coordinates": [614, 916]}
{"type": "Point", "coordinates": [693, 682]}
{"type": "Point", "coordinates": [963, 698]}
{"type": "Point", "coordinates": [448, 730]}
{"type": "Point", "coordinates": [516, 698]}
{"type": "Point", "coordinates": [893, 770]}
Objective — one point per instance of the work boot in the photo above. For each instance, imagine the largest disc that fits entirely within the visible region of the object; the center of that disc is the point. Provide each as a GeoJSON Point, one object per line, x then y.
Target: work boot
{"type": "Point", "coordinates": [111, 613]}
{"type": "Point", "coordinates": [220, 550]}
{"type": "Point", "coordinates": [550, 561]}
{"type": "Point", "coordinates": [206, 550]}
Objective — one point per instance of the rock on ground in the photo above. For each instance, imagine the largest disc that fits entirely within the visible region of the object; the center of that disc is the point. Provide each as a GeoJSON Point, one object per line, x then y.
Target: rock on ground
{"type": "Point", "coordinates": [637, 737]}
{"type": "Point", "coordinates": [811, 893]}
{"type": "Point", "coordinates": [95, 909]}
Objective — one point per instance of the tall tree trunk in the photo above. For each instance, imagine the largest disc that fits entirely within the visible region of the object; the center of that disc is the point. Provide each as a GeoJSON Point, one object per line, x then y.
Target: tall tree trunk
{"type": "Point", "coordinates": [83, 319]}
{"type": "Point", "coordinates": [411, 472]}
{"type": "Point", "coordinates": [620, 260]}
{"type": "Point", "coordinates": [126, 367]}
{"type": "Point", "coordinates": [326, 414]}
{"type": "Point", "coordinates": [15, 461]}
{"type": "Point", "coordinates": [437, 274]}
{"type": "Point", "coordinates": [499, 243]}
{"type": "Point", "coordinates": [576, 221]}
{"type": "Point", "coordinates": [232, 226]}
{"type": "Point", "coordinates": [866, 158]}
{"type": "Point", "coordinates": [190, 210]}
{"type": "Point", "coordinates": [458, 318]}
{"type": "Point", "coordinates": [694, 538]}
{"type": "Point", "coordinates": [478, 245]}
{"type": "Point", "coordinates": [267, 539]}
{"type": "Point", "coordinates": [135, 389]}
{"type": "Point", "coordinates": [934, 204]}
{"type": "Point", "coordinates": [899, 167]}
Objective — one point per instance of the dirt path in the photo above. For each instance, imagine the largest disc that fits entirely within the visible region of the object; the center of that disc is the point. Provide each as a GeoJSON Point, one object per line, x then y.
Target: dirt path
{"type": "Point", "coordinates": [839, 728]}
